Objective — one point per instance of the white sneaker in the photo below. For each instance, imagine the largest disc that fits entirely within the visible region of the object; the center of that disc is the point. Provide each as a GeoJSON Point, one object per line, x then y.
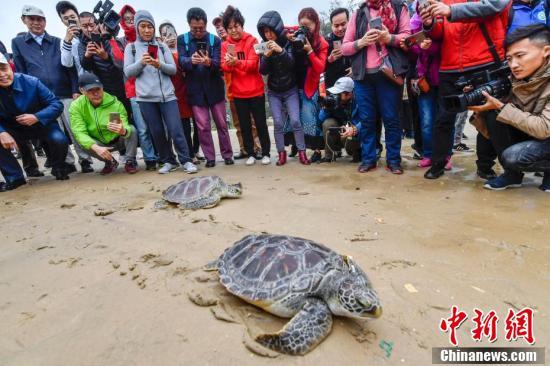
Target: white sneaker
{"type": "Point", "coordinates": [167, 168]}
{"type": "Point", "coordinates": [190, 168]}
{"type": "Point", "coordinates": [266, 160]}
{"type": "Point", "coordinates": [250, 161]}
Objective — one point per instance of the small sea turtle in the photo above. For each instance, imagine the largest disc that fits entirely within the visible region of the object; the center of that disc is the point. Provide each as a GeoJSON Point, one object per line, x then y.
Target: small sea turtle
{"type": "Point", "coordinates": [200, 192]}
{"type": "Point", "coordinates": [299, 279]}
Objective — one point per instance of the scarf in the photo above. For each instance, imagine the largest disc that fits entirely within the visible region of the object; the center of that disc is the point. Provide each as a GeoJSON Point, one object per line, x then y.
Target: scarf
{"type": "Point", "coordinates": [129, 32]}
{"type": "Point", "coordinates": [386, 13]}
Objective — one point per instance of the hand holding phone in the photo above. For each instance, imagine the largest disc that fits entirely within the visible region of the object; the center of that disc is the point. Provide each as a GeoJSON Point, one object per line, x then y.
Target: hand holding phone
{"type": "Point", "coordinates": [152, 50]}
{"type": "Point", "coordinates": [231, 49]}
{"type": "Point", "coordinates": [114, 117]}
{"type": "Point", "coordinates": [376, 23]}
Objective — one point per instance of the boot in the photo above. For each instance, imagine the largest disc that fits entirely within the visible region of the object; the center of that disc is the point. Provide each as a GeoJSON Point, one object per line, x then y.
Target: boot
{"type": "Point", "coordinates": [303, 158]}
{"type": "Point", "coordinates": [282, 158]}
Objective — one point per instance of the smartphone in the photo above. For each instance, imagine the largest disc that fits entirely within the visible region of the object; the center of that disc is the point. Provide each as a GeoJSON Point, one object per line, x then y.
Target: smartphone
{"type": "Point", "coordinates": [376, 23]}
{"type": "Point", "coordinates": [114, 117]}
{"type": "Point", "coordinates": [261, 48]}
{"type": "Point", "coordinates": [96, 38]}
{"type": "Point", "coordinates": [231, 49]}
{"type": "Point", "coordinates": [336, 129]}
{"type": "Point", "coordinates": [337, 45]}
{"type": "Point", "coordinates": [415, 39]}
{"type": "Point", "coordinates": [72, 22]}
{"type": "Point", "coordinates": [422, 4]}
{"type": "Point", "coordinates": [201, 48]}
{"type": "Point", "coordinates": [153, 51]}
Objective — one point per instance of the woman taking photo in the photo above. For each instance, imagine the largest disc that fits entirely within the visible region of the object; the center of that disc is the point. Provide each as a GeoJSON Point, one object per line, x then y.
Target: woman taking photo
{"type": "Point", "coordinates": [310, 64]}
{"type": "Point", "coordinates": [373, 40]}
{"type": "Point", "coordinates": [247, 86]}
{"type": "Point", "coordinates": [152, 64]}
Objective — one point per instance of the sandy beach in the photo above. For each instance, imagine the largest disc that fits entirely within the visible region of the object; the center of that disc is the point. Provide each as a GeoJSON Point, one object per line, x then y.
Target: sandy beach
{"type": "Point", "coordinates": [91, 273]}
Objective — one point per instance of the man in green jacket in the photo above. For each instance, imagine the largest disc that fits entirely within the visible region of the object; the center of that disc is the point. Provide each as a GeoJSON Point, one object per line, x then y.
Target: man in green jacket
{"type": "Point", "coordinates": [100, 125]}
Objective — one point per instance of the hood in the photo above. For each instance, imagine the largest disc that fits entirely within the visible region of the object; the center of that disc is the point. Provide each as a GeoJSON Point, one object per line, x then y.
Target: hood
{"type": "Point", "coordinates": [272, 20]}
{"type": "Point", "coordinates": [528, 90]}
{"type": "Point", "coordinates": [246, 37]}
{"type": "Point", "coordinates": [143, 16]}
{"type": "Point", "coordinates": [129, 32]}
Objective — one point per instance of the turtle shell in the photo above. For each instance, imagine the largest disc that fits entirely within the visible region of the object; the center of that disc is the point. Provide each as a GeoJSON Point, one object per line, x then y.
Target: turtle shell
{"type": "Point", "coordinates": [266, 268]}
{"type": "Point", "coordinates": [191, 189]}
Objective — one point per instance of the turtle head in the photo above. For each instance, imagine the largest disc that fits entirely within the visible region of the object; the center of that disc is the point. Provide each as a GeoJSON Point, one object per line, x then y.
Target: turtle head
{"type": "Point", "coordinates": [235, 190]}
{"type": "Point", "coordinates": [355, 295]}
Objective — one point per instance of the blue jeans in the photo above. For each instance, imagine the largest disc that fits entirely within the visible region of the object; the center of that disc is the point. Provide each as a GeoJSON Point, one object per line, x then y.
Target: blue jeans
{"type": "Point", "coordinates": [145, 141]}
{"type": "Point", "coordinates": [309, 114]}
{"type": "Point", "coordinates": [427, 108]}
{"type": "Point", "coordinates": [288, 102]}
{"type": "Point", "coordinates": [157, 113]}
{"type": "Point", "coordinates": [527, 156]}
{"type": "Point", "coordinates": [377, 96]}
{"type": "Point", "coordinates": [58, 145]}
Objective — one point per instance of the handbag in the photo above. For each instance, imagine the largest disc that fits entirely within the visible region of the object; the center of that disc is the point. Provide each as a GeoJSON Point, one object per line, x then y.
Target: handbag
{"type": "Point", "coordinates": [386, 68]}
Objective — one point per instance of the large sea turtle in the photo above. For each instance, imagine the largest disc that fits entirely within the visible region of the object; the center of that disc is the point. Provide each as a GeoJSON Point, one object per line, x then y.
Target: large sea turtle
{"type": "Point", "coordinates": [201, 192]}
{"type": "Point", "coordinates": [299, 279]}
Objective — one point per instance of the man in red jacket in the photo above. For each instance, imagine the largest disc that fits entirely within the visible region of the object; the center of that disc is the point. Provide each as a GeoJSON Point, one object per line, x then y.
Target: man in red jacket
{"type": "Point", "coordinates": [472, 35]}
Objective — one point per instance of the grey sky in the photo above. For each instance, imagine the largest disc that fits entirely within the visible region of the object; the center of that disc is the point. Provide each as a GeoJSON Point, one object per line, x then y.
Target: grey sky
{"type": "Point", "coordinates": [10, 15]}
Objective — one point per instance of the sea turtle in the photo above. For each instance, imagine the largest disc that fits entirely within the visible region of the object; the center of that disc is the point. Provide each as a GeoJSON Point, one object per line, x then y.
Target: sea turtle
{"type": "Point", "coordinates": [201, 192]}
{"type": "Point", "coordinates": [299, 279]}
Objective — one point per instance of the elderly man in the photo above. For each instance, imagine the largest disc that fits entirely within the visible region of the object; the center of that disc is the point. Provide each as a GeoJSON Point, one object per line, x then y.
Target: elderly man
{"type": "Point", "coordinates": [99, 123]}
{"type": "Point", "coordinates": [38, 53]}
{"type": "Point", "coordinates": [28, 110]}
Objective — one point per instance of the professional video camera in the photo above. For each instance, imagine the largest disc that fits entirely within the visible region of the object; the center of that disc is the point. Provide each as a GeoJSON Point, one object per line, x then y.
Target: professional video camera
{"type": "Point", "coordinates": [300, 38]}
{"type": "Point", "coordinates": [106, 15]}
{"type": "Point", "coordinates": [495, 82]}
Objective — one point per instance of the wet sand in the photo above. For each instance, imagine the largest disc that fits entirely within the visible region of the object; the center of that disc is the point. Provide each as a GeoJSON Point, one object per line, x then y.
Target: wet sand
{"type": "Point", "coordinates": [91, 273]}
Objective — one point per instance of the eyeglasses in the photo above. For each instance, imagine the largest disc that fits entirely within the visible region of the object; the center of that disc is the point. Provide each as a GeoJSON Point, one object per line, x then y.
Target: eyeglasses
{"type": "Point", "coordinates": [129, 20]}
{"type": "Point", "coordinates": [198, 29]}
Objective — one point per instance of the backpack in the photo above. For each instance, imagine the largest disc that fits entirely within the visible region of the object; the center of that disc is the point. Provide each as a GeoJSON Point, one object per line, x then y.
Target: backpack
{"type": "Point", "coordinates": [211, 41]}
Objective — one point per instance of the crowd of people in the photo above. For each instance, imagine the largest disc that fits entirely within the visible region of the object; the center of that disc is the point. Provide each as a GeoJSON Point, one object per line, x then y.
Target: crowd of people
{"type": "Point", "coordinates": [156, 89]}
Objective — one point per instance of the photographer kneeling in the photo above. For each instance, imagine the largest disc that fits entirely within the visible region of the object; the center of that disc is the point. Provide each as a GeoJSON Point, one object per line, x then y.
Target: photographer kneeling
{"type": "Point", "coordinates": [528, 108]}
{"type": "Point", "coordinates": [340, 121]}
{"type": "Point", "coordinates": [99, 123]}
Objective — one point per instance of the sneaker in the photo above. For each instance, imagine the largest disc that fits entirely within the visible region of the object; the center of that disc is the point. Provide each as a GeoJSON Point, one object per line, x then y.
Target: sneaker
{"type": "Point", "coordinates": [33, 173]}
{"type": "Point", "coordinates": [4, 186]}
{"type": "Point", "coordinates": [167, 168]}
{"type": "Point", "coordinates": [425, 163]}
{"type": "Point", "coordinates": [366, 168]}
{"type": "Point", "coordinates": [250, 161]}
{"type": "Point", "coordinates": [190, 168]}
{"type": "Point", "coordinates": [210, 163]}
{"type": "Point", "coordinates": [131, 167]}
{"type": "Point", "coordinates": [70, 168]}
{"type": "Point", "coordinates": [60, 173]}
{"type": "Point", "coordinates": [110, 166]}
{"type": "Point", "coordinates": [241, 156]}
{"type": "Point", "coordinates": [503, 182]}
{"type": "Point", "coordinates": [150, 165]}
{"type": "Point", "coordinates": [266, 160]}
{"type": "Point", "coordinates": [461, 147]}
{"type": "Point", "coordinates": [434, 172]}
{"type": "Point", "coordinates": [394, 169]}
{"type": "Point", "coordinates": [86, 167]}
{"type": "Point", "coordinates": [229, 161]}
{"type": "Point", "coordinates": [316, 157]}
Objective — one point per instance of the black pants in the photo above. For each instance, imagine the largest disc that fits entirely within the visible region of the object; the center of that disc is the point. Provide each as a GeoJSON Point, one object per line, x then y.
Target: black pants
{"type": "Point", "coordinates": [487, 150]}
{"type": "Point", "coordinates": [255, 107]}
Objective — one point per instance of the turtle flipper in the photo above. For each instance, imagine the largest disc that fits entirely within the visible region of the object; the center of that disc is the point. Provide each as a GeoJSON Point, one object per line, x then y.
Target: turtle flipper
{"type": "Point", "coordinates": [211, 266]}
{"type": "Point", "coordinates": [303, 332]}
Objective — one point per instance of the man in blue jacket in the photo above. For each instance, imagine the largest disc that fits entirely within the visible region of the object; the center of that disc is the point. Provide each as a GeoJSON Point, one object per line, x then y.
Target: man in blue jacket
{"type": "Point", "coordinates": [527, 12]}
{"type": "Point", "coordinates": [39, 54]}
{"type": "Point", "coordinates": [28, 110]}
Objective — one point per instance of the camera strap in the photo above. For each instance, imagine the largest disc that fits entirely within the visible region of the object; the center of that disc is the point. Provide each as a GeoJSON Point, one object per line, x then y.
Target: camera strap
{"type": "Point", "coordinates": [490, 43]}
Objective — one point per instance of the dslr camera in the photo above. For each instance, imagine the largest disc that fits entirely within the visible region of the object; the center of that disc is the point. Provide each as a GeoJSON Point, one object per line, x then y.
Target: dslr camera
{"type": "Point", "coordinates": [106, 15]}
{"type": "Point", "coordinates": [330, 102]}
{"type": "Point", "coordinates": [300, 37]}
{"type": "Point", "coordinates": [495, 82]}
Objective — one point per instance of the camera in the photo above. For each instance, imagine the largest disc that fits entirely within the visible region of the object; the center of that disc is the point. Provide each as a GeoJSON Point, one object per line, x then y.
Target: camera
{"type": "Point", "coordinates": [495, 82]}
{"type": "Point", "coordinates": [300, 38]}
{"type": "Point", "coordinates": [330, 102]}
{"type": "Point", "coordinates": [106, 15]}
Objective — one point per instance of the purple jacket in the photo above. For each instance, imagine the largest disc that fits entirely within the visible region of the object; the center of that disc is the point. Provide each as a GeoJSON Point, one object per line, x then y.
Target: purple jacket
{"type": "Point", "coordinates": [428, 60]}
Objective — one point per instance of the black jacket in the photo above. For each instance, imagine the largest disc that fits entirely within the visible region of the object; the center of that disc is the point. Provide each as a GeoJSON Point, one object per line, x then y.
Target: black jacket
{"type": "Point", "coordinates": [111, 76]}
{"type": "Point", "coordinates": [338, 68]}
{"type": "Point", "coordinates": [279, 67]}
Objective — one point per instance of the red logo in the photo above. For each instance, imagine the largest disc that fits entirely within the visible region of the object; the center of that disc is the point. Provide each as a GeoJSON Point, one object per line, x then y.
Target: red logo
{"type": "Point", "coordinates": [520, 325]}
{"type": "Point", "coordinates": [453, 323]}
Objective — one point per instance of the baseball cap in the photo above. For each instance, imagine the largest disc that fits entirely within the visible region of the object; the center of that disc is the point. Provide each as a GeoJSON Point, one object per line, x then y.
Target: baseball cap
{"type": "Point", "coordinates": [31, 10]}
{"type": "Point", "coordinates": [89, 81]}
{"type": "Point", "coordinates": [344, 84]}
{"type": "Point", "coordinates": [3, 59]}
